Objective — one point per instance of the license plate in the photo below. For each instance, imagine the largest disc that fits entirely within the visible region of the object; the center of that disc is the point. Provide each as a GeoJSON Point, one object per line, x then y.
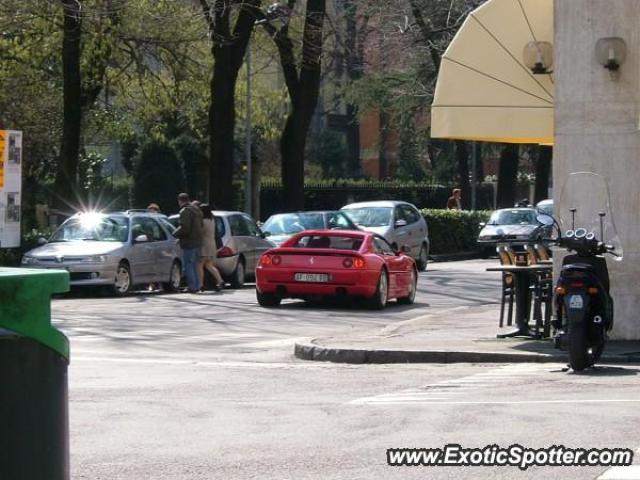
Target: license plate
{"type": "Point", "coordinates": [576, 302]}
{"type": "Point", "coordinates": [312, 277]}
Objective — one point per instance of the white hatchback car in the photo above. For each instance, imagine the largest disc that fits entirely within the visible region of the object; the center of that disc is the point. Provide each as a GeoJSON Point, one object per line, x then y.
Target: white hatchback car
{"type": "Point", "coordinates": [400, 223]}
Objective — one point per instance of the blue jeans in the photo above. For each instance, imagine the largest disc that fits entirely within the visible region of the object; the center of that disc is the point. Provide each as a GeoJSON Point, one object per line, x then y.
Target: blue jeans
{"type": "Point", "coordinates": [190, 261]}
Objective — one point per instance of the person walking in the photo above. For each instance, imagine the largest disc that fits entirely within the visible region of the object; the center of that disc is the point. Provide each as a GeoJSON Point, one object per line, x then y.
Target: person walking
{"type": "Point", "coordinates": [455, 202]}
{"type": "Point", "coordinates": [189, 235]}
{"type": "Point", "coordinates": [206, 260]}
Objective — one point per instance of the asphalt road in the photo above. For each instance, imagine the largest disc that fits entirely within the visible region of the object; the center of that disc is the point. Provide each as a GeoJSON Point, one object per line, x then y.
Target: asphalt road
{"type": "Point", "coordinates": [206, 387]}
{"type": "Point", "coordinates": [230, 324]}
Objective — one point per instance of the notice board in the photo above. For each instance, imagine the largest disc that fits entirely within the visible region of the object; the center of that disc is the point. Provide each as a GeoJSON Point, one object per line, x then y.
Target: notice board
{"type": "Point", "coordinates": [10, 187]}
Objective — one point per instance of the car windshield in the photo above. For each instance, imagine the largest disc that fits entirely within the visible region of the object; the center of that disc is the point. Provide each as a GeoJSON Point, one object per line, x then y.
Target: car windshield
{"type": "Point", "coordinates": [370, 216]}
{"type": "Point", "coordinates": [290, 223]}
{"type": "Point", "coordinates": [329, 241]}
{"type": "Point", "coordinates": [513, 217]}
{"type": "Point", "coordinates": [93, 227]}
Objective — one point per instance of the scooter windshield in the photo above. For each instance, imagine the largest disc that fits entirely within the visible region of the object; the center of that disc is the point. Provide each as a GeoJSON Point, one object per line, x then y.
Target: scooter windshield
{"type": "Point", "coordinates": [584, 209]}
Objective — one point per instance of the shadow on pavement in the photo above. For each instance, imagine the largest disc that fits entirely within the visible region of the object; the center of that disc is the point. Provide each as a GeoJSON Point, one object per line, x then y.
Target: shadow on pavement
{"type": "Point", "coordinates": [348, 305]}
{"type": "Point", "coordinates": [607, 371]}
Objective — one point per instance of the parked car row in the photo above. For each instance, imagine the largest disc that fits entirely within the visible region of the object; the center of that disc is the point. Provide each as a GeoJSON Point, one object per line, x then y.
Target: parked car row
{"type": "Point", "coordinates": [124, 249]}
{"type": "Point", "coordinates": [400, 223]}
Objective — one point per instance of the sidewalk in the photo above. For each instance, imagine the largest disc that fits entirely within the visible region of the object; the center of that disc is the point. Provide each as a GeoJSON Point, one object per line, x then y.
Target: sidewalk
{"type": "Point", "coordinates": [457, 335]}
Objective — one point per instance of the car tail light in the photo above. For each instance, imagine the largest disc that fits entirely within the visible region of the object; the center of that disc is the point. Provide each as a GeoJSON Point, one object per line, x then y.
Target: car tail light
{"type": "Point", "coordinates": [593, 291]}
{"type": "Point", "coordinates": [225, 252]}
{"type": "Point", "coordinates": [577, 285]}
{"type": "Point", "coordinates": [266, 260]}
{"type": "Point", "coordinates": [358, 263]}
{"type": "Point", "coordinates": [347, 263]}
{"type": "Point", "coordinates": [561, 291]}
{"type": "Point", "coordinates": [276, 259]}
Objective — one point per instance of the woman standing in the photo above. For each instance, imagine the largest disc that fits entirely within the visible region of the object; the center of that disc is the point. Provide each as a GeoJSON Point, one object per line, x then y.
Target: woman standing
{"type": "Point", "coordinates": [209, 249]}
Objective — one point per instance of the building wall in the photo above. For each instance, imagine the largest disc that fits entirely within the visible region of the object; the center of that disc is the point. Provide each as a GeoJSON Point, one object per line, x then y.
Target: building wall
{"type": "Point", "coordinates": [597, 129]}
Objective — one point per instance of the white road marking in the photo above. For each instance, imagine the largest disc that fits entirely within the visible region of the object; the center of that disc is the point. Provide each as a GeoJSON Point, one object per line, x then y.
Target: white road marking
{"type": "Point", "coordinates": [631, 472]}
{"type": "Point", "coordinates": [490, 402]}
{"type": "Point", "coordinates": [448, 392]}
{"type": "Point", "coordinates": [75, 358]}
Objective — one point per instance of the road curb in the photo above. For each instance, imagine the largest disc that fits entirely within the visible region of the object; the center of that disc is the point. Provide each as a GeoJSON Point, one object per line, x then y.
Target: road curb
{"type": "Point", "coordinates": [309, 350]}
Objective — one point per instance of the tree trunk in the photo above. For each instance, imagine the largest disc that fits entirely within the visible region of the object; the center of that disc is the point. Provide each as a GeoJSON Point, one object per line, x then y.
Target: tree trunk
{"type": "Point", "coordinates": [462, 160]}
{"type": "Point", "coordinates": [304, 93]}
{"type": "Point", "coordinates": [229, 48]}
{"type": "Point", "coordinates": [66, 182]}
{"type": "Point", "coordinates": [479, 164]}
{"type": "Point", "coordinates": [354, 72]}
{"type": "Point", "coordinates": [292, 146]}
{"type": "Point", "coordinates": [98, 59]}
{"type": "Point", "coordinates": [543, 171]}
{"type": "Point", "coordinates": [508, 176]}
{"type": "Point", "coordinates": [353, 142]}
{"type": "Point", "coordinates": [222, 120]}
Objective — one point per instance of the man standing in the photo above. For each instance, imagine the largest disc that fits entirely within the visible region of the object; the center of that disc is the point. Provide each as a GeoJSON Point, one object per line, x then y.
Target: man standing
{"type": "Point", "coordinates": [189, 233]}
{"type": "Point", "coordinates": [454, 202]}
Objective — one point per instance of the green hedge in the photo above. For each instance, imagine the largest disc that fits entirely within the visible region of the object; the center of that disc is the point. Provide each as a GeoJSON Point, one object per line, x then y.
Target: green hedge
{"type": "Point", "coordinates": [334, 194]}
{"type": "Point", "coordinates": [453, 231]}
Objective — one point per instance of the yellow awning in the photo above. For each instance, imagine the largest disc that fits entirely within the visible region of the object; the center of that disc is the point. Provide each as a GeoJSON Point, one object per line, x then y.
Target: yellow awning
{"type": "Point", "coordinates": [485, 92]}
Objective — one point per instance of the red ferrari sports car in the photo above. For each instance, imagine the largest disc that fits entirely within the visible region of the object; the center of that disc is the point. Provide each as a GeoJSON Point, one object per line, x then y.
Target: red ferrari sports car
{"type": "Point", "coordinates": [324, 263]}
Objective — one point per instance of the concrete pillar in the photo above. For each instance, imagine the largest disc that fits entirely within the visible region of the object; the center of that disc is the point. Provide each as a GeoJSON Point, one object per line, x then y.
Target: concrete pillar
{"type": "Point", "coordinates": [598, 129]}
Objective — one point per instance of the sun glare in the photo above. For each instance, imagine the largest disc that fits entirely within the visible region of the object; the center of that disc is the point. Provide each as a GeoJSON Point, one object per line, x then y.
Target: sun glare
{"type": "Point", "coordinates": [90, 220]}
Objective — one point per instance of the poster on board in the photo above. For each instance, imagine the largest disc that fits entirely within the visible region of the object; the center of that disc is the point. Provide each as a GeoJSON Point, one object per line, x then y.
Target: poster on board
{"type": "Point", "coordinates": [10, 187]}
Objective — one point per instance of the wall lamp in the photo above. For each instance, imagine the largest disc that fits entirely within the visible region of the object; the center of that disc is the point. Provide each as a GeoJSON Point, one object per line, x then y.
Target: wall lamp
{"type": "Point", "coordinates": [611, 53]}
{"type": "Point", "coordinates": [538, 57]}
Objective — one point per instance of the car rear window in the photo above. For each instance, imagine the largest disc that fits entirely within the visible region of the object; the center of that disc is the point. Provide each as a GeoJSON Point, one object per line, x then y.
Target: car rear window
{"type": "Point", "coordinates": [370, 216]}
{"type": "Point", "coordinates": [291, 223]}
{"type": "Point", "coordinates": [329, 241]}
{"type": "Point", "coordinates": [220, 228]}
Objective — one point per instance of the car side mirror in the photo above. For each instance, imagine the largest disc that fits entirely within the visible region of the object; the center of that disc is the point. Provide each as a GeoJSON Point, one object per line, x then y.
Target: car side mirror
{"type": "Point", "coordinates": [401, 223]}
{"type": "Point", "coordinates": [266, 234]}
{"type": "Point", "coordinates": [42, 241]}
{"type": "Point", "coordinates": [483, 224]}
{"type": "Point", "coordinates": [141, 239]}
{"type": "Point", "coordinates": [545, 219]}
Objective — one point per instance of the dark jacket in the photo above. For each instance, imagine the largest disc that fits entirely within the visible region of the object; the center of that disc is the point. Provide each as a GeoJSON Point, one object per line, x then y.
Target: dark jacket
{"type": "Point", "coordinates": [190, 229]}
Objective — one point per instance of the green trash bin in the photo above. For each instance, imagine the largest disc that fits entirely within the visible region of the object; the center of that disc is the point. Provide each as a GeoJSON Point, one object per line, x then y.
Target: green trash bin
{"type": "Point", "coordinates": [34, 357]}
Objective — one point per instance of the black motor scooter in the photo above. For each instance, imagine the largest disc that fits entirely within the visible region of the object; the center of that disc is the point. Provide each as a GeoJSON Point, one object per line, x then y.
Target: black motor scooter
{"type": "Point", "coordinates": [583, 304]}
{"type": "Point", "coordinates": [582, 300]}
